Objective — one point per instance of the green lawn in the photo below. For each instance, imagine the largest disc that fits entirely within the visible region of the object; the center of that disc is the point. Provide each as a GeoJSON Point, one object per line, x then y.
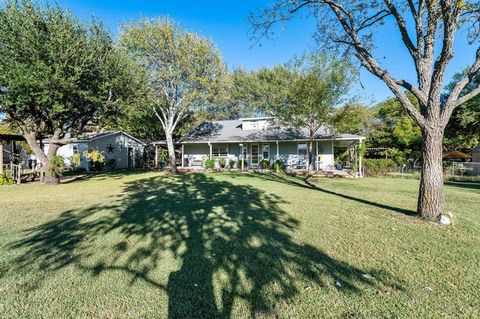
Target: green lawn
{"type": "Point", "coordinates": [147, 245]}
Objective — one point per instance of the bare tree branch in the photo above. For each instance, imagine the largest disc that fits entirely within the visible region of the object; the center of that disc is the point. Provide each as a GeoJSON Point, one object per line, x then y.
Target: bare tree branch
{"type": "Point", "coordinates": [402, 26]}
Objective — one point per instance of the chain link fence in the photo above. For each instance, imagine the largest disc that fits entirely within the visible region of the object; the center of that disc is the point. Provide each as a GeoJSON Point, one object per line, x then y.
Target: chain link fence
{"type": "Point", "coordinates": [452, 171]}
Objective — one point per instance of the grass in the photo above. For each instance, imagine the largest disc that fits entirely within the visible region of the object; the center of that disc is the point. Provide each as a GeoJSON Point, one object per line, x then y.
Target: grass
{"type": "Point", "coordinates": [147, 245]}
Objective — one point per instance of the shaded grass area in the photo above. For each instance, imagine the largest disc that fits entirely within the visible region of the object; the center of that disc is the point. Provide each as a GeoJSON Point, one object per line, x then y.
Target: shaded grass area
{"type": "Point", "coordinates": [235, 246]}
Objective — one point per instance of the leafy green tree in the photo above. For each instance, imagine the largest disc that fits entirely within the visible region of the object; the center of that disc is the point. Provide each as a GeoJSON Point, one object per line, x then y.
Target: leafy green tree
{"type": "Point", "coordinates": [304, 93]}
{"type": "Point", "coordinates": [57, 75]}
{"type": "Point", "coordinates": [353, 118]}
{"type": "Point", "coordinates": [399, 130]}
{"type": "Point", "coordinates": [241, 98]}
{"type": "Point", "coordinates": [427, 29]}
{"type": "Point", "coordinates": [463, 131]}
{"type": "Point", "coordinates": [185, 71]}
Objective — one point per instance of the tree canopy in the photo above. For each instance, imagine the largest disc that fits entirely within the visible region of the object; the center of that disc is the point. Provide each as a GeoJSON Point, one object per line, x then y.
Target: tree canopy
{"type": "Point", "coordinates": [353, 118]}
{"type": "Point", "coordinates": [304, 93]}
{"type": "Point", "coordinates": [185, 71]}
{"type": "Point", "coordinates": [58, 74]}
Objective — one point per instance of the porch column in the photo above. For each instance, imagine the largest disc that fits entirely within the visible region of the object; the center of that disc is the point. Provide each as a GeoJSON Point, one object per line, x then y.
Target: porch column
{"type": "Point", "coordinates": [210, 145]}
{"type": "Point", "coordinates": [1, 157]}
{"type": "Point", "coordinates": [183, 155]}
{"type": "Point", "coordinates": [241, 157]}
{"type": "Point", "coordinates": [156, 155]}
{"type": "Point", "coordinates": [316, 155]}
{"type": "Point", "coordinates": [333, 155]}
{"type": "Point", "coordinates": [278, 151]}
{"type": "Point", "coordinates": [360, 172]}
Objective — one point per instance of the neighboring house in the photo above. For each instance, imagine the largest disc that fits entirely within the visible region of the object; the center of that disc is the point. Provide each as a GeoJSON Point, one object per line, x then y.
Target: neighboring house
{"type": "Point", "coordinates": [120, 149]}
{"type": "Point", "coordinates": [12, 152]}
{"type": "Point", "coordinates": [255, 139]}
{"type": "Point", "coordinates": [476, 154]}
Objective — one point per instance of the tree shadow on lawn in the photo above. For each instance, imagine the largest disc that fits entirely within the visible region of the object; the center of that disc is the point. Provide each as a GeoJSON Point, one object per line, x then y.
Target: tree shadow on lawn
{"type": "Point", "coordinates": [76, 176]}
{"type": "Point", "coordinates": [232, 242]}
{"type": "Point", "coordinates": [466, 185]}
{"type": "Point", "coordinates": [305, 183]}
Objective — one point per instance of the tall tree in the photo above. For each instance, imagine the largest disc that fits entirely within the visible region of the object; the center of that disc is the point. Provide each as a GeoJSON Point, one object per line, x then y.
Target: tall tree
{"type": "Point", "coordinates": [185, 71]}
{"type": "Point", "coordinates": [57, 75]}
{"type": "Point", "coordinates": [392, 127]}
{"type": "Point", "coordinates": [241, 97]}
{"type": "Point", "coordinates": [353, 118]}
{"type": "Point", "coordinates": [304, 93]}
{"type": "Point", "coordinates": [350, 26]}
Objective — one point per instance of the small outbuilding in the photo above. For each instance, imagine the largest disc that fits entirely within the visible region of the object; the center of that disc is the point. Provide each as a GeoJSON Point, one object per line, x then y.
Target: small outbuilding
{"type": "Point", "coordinates": [121, 150]}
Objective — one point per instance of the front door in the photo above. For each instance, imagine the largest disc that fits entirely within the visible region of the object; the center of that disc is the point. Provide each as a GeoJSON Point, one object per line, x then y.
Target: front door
{"type": "Point", "coordinates": [254, 154]}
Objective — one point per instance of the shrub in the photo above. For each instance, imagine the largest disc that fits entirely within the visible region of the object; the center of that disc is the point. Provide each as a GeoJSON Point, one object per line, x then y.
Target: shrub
{"type": "Point", "coordinates": [5, 180]}
{"type": "Point", "coordinates": [209, 163]}
{"type": "Point", "coordinates": [379, 167]}
{"type": "Point", "coordinates": [56, 166]}
{"type": "Point", "coordinates": [75, 160]}
{"type": "Point", "coordinates": [278, 166]}
{"type": "Point", "coordinates": [95, 158]}
{"type": "Point", "coordinates": [223, 162]}
{"type": "Point", "coordinates": [239, 164]}
{"type": "Point", "coordinates": [265, 164]}
{"type": "Point", "coordinates": [231, 164]}
{"type": "Point", "coordinates": [162, 157]}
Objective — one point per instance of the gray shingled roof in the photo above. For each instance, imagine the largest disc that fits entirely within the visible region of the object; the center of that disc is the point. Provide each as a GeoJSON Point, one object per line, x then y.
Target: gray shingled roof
{"type": "Point", "coordinates": [231, 131]}
{"type": "Point", "coordinates": [90, 136]}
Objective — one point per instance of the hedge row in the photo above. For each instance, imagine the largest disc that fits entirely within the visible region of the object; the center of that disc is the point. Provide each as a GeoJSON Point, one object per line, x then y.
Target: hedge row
{"type": "Point", "coordinates": [379, 167]}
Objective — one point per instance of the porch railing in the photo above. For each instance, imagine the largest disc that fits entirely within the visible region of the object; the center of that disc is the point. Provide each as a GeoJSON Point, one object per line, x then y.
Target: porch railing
{"type": "Point", "coordinates": [13, 171]}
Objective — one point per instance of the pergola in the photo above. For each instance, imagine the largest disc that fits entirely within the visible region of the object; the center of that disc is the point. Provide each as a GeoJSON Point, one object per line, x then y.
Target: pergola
{"type": "Point", "coordinates": [158, 145]}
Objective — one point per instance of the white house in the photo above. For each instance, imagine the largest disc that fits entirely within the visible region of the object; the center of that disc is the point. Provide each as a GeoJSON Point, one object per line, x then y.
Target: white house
{"type": "Point", "coordinates": [120, 149]}
{"type": "Point", "coordinates": [256, 139]}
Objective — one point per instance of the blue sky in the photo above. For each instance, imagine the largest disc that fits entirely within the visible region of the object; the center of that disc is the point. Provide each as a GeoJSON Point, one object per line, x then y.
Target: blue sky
{"type": "Point", "coordinates": [226, 22]}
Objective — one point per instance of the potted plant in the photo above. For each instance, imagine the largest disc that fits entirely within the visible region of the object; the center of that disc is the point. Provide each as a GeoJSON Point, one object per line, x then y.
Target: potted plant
{"type": "Point", "coordinates": [277, 166]}
{"type": "Point", "coordinates": [240, 162]}
{"type": "Point", "coordinates": [223, 162]}
{"type": "Point", "coordinates": [265, 164]}
{"type": "Point", "coordinates": [231, 164]}
{"type": "Point", "coordinates": [209, 163]}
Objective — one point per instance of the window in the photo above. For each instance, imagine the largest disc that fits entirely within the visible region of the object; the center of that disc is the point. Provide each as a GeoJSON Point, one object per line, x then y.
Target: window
{"type": "Point", "coordinates": [302, 149]}
{"type": "Point", "coordinates": [266, 151]}
{"type": "Point", "coordinates": [75, 149]}
{"type": "Point", "coordinates": [219, 151]}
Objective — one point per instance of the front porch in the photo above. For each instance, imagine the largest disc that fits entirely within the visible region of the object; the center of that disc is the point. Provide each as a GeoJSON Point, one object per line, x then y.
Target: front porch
{"type": "Point", "coordinates": [294, 155]}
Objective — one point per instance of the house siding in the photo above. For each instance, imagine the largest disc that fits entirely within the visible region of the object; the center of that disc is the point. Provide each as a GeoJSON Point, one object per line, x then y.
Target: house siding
{"type": "Point", "coordinates": [121, 144]}
{"type": "Point", "coordinates": [119, 141]}
{"type": "Point", "coordinates": [287, 152]}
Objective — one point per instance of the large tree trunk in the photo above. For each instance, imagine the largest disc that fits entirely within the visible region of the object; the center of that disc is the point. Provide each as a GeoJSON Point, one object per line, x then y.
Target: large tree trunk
{"type": "Point", "coordinates": [44, 159]}
{"type": "Point", "coordinates": [310, 156]}
{"type": "Point", "coordinates": [431, 200]}
{"type": "Point", "coordinates": [171, 152]}
{"type": "Point", "coordinates": [49, 178]}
